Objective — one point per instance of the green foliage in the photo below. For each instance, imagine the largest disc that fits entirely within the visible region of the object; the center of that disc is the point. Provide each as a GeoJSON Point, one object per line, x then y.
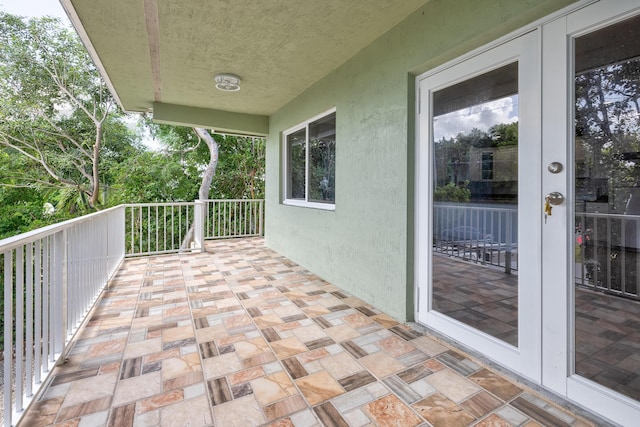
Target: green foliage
{"type": "Point", "coordinates": [240, 171]}
{"type": "Point", "coordinates": [57, 115]}
{"type": "Point", "coordinates": [59, 124]}
{"type": "Point", "coordinates": [151, 177]}
{"type": "Point", "coordinates": [452, 193]}
{"type": "Point", "coordinates": [504, 134]}
{"type": "Point", "coordinates": [240, 168]}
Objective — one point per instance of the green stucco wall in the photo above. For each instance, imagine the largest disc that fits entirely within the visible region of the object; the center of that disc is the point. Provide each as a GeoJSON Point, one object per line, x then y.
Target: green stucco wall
{"type": "Point", "coordinates": [366, 245]}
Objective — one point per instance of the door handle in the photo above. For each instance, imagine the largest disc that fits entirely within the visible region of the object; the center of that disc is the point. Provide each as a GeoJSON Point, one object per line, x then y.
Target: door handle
{"type": "Point", "coordinates": [554, 198]}
{"type": "Point", "coordinates": [551, 200]}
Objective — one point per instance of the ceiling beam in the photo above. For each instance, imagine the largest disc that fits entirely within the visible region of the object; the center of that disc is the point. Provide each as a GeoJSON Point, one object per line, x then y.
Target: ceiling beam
{"type": "Point", "coordinates": [220, 121]}
{"type": "Point", "coordinates": [153, 35]}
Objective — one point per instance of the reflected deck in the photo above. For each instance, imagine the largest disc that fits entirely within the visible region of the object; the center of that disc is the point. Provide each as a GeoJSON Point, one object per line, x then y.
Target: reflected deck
{"type": "Point", "coordinates": [607, 326]}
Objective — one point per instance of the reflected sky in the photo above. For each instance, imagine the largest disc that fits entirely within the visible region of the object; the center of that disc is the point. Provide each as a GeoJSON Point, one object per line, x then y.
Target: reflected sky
{"type": "Point", "coordinates": [482, 117]}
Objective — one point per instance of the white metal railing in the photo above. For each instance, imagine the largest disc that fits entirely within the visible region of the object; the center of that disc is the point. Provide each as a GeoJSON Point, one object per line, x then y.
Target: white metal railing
{"type": "Point", "coordinates": [160, 228]}
{"type": "Point", "coordinates": [234, 218]}
{"type": "Point", "coordinates": [607, 253]}
{"type": "Point", "coordinates": [157, 228]}
{"type": "Point", "coordinates": [483, 234]}
{"type": "Point", "coordinates": [51, 276]}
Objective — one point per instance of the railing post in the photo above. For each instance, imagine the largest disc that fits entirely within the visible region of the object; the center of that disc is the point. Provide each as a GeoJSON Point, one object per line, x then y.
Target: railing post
{"type": "Point", "coordinates": [59, 292]}
{"type": "Point", "coordinates": [8, 335]}
{"type": "Point", "coordinates": [261, 219]}
{"type": "Point", "coordinates": [198, 224]}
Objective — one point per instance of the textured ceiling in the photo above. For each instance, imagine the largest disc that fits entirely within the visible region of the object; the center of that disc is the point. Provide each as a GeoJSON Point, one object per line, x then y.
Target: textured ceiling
{"type": "Point", "coordinates": [168, 51]}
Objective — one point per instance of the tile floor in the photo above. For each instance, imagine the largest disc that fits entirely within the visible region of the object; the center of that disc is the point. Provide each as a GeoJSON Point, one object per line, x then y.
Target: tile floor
{"type": "Point", "coordinates": [241, 336]}
{"type": "Point", "coordinates": [607, 326]}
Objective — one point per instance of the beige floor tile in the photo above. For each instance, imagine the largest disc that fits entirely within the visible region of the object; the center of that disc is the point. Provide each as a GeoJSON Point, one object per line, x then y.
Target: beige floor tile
{"type": "Point", "coordinates": [222, 365]}
{"type": "Point", "coordinates": [341, 333]}
{"type": "Point", "coordinates": [319, 387]}
{"type": "Point", "coordinates": [309, 333]}
{"type": "Point", "coordinates": [237, 321]}
{"type": "Point", "coordinates": [194, 412]}
{"type": "Point", "coordinates": [391, 411]}
{"type": "Point", "coordinates": [394, 346]}
{"type": "Point", "coordinates": [381, 365]}
{"type": "Point", "coordinates": [288, 347]}
{"type": "Point", "coordinates": [211, 333]}
{"type": "Point", "coordinates": [136, 388]}
{"type": "Point", "coordinates": [242, 412]}
{"type": "Point", "coordinates": [340, 365]}
{"type": "Point", "coordinates": [182, 365]}
{"type": "Point", "coordinates": [272, 388]}
{"type": "Point", "coordinates": [90, 388]}
{"type": "Point", "coordinates": [143, 348]}
{"type": "Point", "coordinates": [179, 333]}
{"type": "Point", "coordinates": [452, 385]}
{"type": "Point", "coordinates": [428, 346]}
{"type": "Point", "coordinates": [159, 401]}
{"type": "Point", "coordinates": [357, 320]}
{"type": "Point", "coordinates": [440, 411]}
{"type": "Point", "coordinates": [108, 347]}
{"type": "Point", "coordinates": [251, 348]}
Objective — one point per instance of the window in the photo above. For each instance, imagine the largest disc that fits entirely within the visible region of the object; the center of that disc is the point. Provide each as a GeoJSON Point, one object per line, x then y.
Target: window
{"type": "Point", "coordinates": [310, 162]}
{"type": "Point", "coordinates": [487, 165]}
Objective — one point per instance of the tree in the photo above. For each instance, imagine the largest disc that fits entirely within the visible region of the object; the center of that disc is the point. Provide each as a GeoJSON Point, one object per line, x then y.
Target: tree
{"type": "Point", "coordinates": [56, 111]}
{"type": "Point", "coordinates": [239, 161]}
{"type": "Point", "coordinates": [210, 169]}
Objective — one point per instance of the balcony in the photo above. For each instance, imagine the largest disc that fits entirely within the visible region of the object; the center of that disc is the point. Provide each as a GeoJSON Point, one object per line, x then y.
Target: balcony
{"type": "Point", "coordinates": [119, 326]}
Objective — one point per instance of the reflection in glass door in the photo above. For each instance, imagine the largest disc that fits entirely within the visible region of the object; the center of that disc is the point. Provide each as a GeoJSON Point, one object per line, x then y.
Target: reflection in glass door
{"type": "Point", "coordinates": [607, 207]}
{"type": "Point", "coordinates": [475, 202]}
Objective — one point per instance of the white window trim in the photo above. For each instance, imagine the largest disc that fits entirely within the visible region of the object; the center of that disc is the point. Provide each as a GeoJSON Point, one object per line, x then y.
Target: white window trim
{"type": "Point", "coordinates": [285, 166]}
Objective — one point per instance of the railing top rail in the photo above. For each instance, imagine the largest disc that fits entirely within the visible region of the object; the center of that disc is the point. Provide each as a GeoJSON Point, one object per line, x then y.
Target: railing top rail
{"type": "Point", "coordinates": [233, 200]}
{"type": "Point", "coordinates": [136, 205]}
{"type": "Point", "coordinates": [502, 208]}
{"type": "Point", "coordinates": [603, 215]}
{"type": "Point", "coordinates": [13, 242]}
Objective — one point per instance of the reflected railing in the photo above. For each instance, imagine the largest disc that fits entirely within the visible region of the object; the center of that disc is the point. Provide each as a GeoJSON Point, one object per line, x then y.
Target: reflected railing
{"type": "Point", "coordinates": [607, 253]}
{"type": "Point", "coordinates": [607, 246]}
{"type": "Point", "coordinates": [481, 234]}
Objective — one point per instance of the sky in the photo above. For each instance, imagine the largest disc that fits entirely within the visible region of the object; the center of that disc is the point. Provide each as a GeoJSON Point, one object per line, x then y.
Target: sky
{"type": "Point", "coordinates": [34, 8]}
{"type": "Point", "coordinates": [482, 117]}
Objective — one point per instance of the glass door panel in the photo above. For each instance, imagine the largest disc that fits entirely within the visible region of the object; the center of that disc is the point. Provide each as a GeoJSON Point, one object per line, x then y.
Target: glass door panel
{"type": "Point", "coordinates": [475, 202]}
{"type": "Point", "coordinates": [607, 207]}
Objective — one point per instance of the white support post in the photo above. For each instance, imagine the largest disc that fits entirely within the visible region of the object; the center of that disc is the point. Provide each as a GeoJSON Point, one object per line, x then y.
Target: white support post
{"type": "Point", "coordinates": [8, 336]}
{"type": "Point", "coordinates": [199, 216]}
{"type": "Point", "coordinates": [59, 303]}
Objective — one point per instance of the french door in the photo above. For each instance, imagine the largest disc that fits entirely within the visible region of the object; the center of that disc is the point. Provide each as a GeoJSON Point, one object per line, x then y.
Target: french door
{"type": "Point", "coordinates": [528, 205]}
{"type": "Point", "coordinates": [479, 190]}
{"type": "Point", "coordinates": [591, 243]}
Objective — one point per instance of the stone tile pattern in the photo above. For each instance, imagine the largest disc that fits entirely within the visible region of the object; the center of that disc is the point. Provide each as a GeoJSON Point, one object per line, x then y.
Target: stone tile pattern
{"type": "Point", "coordinates": [484, 298]}
{"type": "Point", "coordinates": [241, 336]}
{"type": "Point", "coordinates": [607, 326]}
{"type": "Point", "coordinates": [608, 341]}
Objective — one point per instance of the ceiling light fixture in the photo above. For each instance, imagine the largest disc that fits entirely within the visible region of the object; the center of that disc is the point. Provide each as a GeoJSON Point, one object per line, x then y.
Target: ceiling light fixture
{"type": "Point", "coordinates": [227, 82]}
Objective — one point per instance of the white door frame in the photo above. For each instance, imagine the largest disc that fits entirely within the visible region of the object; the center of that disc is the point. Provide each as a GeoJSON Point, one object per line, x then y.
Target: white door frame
{"type": "Point", "coordinates": [525, 359]}
{"type": "Point", "coordinates": [557, 237]}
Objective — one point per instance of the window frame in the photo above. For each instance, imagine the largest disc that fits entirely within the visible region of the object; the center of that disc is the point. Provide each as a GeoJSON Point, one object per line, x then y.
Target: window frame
{"type": "Point", "coordinates": [285, 165]}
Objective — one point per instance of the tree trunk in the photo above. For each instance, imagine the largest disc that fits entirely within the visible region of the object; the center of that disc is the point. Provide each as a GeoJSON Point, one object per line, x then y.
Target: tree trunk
{"type": "Point", "coordinates": [95, 190]}
{"type": "Point", "coordinates": [207, 178]}
{"type": "Point", "coordinates": [210, 171]}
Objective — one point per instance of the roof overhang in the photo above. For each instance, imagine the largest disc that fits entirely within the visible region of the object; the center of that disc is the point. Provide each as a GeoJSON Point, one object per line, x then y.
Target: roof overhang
{"type": "Point", "coordinates": [163, 56]}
